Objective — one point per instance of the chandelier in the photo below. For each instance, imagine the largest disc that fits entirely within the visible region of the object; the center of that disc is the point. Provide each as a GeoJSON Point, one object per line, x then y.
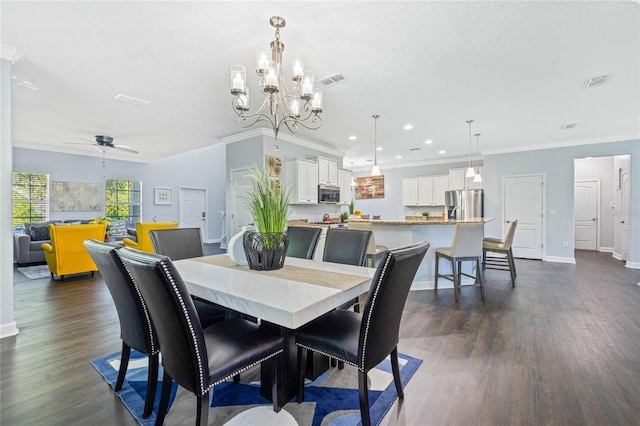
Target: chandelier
{"type": "Point", "coordinates": [300, 106]}
{"type": "Point", "coordinates": [470, 171]}
{"type": "Point", "coordinates": [375, 170]}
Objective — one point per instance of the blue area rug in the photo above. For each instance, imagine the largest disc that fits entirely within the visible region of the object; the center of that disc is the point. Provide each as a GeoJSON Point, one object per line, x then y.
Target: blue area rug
{"type": "Point", "coordinates": [332, 398]}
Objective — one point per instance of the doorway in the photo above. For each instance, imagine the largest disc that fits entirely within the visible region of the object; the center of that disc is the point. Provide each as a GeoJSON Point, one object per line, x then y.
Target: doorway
{"type": "Point", "coordinates": [586, 214]}
{"type": "Point", "coordinates": [193, 209]}
{"type": "Point", "coordinates": [239, 215]}
{"type": "Point", "coordinates": [524, 202]}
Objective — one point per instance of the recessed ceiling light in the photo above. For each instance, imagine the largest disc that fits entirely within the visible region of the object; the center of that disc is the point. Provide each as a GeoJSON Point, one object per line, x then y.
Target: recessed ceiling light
{"type": "Point", "coordinates": [428, 141]}
{"type": "Point", "coordinates": [408, 126]}
{"type": "Point", "coordinates": [398, 156]}
{"type": "Point", "coordinates": [442, 151]}
{"type": "Point", "coordinates": [353, 138]}
{"type": "Point", "coordinates": [379, 148]}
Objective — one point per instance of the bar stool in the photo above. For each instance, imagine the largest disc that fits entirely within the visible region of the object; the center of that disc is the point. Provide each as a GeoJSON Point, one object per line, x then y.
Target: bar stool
{"type": "Point", "coordinates": [496, 245]}
{"type": "Point", "coordinates": [466, 246]}
{"type": "Point", "coordinates": [374, 251]}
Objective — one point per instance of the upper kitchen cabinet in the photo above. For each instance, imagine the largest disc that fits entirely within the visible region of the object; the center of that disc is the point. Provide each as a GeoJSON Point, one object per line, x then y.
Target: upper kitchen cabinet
{"type": "Point", "coordinates": [458, 179]}
{"type": "Point", "coordinates": [344, 182]}
{"type": "Point", "coordinates": [327, 171]}
{"type": "Point", "coordinates": [302, 180]}
{"type": "Point", "coordinates": [424, 191]}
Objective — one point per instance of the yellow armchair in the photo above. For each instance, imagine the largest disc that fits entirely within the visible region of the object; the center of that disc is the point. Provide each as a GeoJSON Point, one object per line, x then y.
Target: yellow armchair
{"type": "Point", "coordinates": [144, 240]}
{"type": "Point", "coordinates": [66, 254]}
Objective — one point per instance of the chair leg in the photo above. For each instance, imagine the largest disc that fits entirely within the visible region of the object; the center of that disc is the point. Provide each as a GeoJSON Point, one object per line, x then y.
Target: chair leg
{"type": "Point", "coordinates": [364, 398]}
{"type": "Point", "coordinates": [479, 278]}
{"type": "Point", "coordinates": [152, 383]}
{"type": "Point", "coordinates": [340, 365]}
{"type": "Point", "coordinates": [395, 368]}
{"type": "Point", "coordinates": [484, 259]}
{"type": "Point", "coordinates": [124, 363]}
{"type": "Point", "coordinates": [167, 381]}
{"type": "Point", "coordinates": [512, 267]}
{"type": "Point", "coordinates": [435, 284]}
{"type": "Point", "coordinates": [276, 369]}
{"type": "Point", "coordinates": [456, 278]}
{"type": "Point", "coordinates": [202, 417]}
{"type": "Point", "coordinates": [302, 362]}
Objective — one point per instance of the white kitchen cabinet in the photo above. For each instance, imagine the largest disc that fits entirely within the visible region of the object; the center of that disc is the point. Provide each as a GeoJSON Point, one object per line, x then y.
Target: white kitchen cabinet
{"type": "Point", "coordinates": [344, 182]}
{"type": "Point", "coordinates": [410, 192]}
{"type": "Point", "coordinates": [424, 191]}
{"type": "Point", "coordinates": [327, 171]}
{"type": "Point", "coordinates": [458, 179]}
{"type": "Point", "coordinates": [302, 180]}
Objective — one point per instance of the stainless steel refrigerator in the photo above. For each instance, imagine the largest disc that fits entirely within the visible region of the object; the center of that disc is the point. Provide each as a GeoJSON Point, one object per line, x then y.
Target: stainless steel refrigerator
{"type": "Point", "coordinates": [464, 203]}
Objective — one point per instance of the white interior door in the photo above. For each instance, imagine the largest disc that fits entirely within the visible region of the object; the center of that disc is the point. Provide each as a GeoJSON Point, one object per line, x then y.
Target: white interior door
{"type": "Point", "coordinates": [626, 193]}
{"type": "Point", "coordinates": [238, 212]}
{"type": "Point", "coordinates": [193, 209]}
{"type": "Point", "coordinates": [523, 201]}
{"type": "Point", "coordinates": [586, 196]}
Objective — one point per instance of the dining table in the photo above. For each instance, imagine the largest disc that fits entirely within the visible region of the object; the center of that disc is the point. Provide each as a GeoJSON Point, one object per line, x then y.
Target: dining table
{"type": "Point", "coordinates": [283, 299]}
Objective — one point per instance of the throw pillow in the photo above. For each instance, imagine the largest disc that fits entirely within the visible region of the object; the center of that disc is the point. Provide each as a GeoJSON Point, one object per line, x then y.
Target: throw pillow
{"type": "Point", "coordinates": [39, 233]}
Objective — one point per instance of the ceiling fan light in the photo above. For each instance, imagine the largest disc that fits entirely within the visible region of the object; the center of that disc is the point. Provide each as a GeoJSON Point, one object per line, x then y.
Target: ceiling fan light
{"type": "Point", "coordinates": [470, 172]}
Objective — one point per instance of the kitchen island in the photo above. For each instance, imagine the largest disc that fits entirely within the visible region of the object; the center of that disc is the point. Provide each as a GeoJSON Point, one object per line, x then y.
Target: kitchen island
{"type": "Point", "coordinates": [438, 232]}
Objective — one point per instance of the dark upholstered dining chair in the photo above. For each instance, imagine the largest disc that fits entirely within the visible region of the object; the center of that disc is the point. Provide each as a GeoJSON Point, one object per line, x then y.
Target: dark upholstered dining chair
{"type": "Point", "coordinates": [196, 358]}
{"type": "Point", "coordinates": [363, 341]}
{"type": "Point", "coordinates": [136, 330]}
{"type": "Point", "coordinates": [347, 246]}
{"type": "Point", "coordinates": [179, 243]}
{"type": "Point", "coordinates": [302, 241]}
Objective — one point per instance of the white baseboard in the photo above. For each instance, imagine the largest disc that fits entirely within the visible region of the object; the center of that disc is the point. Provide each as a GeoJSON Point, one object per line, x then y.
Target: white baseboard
{"type": "Point", "coordinates": [606, 249]}
{"type": "Point", "coordinates": [213, 240]}
{"type": "Point", "coordinates": [632, 265]}
{"type": "Point", "coordinates": [559, 259]}
{"type": "Point", "coordinates": [616, 256]}
{"type": "Point", "coordinates": [8, 330]}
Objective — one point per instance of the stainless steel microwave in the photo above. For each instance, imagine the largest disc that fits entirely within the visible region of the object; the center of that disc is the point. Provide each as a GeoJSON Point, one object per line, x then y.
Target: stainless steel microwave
{"type": "Point", "coordinates": [328, 194]}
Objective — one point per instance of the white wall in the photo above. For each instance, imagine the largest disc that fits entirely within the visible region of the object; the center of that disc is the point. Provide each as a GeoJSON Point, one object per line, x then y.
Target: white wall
{"type": "Point", "coordinates": [558, 166]}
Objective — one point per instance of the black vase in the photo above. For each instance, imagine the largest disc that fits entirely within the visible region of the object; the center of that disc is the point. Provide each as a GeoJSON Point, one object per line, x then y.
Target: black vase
{"type": "Point", "coordinates": [265, 251]}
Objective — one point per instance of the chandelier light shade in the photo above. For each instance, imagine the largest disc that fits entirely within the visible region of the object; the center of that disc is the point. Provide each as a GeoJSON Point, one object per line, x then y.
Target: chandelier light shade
{"type": "Point", "coordinates": [470, 171]}
{"type": "Point", "coordinates": [478, 177]}
{"type": "Point", "coordinates": [281, 106]}
{"type": "Point", "coordinates": [375, 171]}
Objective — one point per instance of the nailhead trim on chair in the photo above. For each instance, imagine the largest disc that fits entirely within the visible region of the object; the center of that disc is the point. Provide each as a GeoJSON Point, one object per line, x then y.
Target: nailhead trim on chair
{"type": "Point", "coordinates": [245, 368]}
{"type": "Point", "coordinates": [330, 356]}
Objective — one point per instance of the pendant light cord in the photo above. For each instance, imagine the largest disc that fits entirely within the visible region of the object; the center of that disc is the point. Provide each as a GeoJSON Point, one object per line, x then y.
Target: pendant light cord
{"type": "Point", "coordinates": [375, 139]}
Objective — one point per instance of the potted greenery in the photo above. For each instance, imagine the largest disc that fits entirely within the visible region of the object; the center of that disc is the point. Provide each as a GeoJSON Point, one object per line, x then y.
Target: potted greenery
{"type": "Point", "coordinates": [425, 215]}
{"type": "Point", "coordinates": [344, 217]}
{"type": "Point", "coordinates": [266, 247]}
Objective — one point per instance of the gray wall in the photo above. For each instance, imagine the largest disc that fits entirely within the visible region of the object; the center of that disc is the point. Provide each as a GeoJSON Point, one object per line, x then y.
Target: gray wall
{"type": "Point", "coordinates": [203, 168]}
{"type": "Point", "coordinates": [557, 165]}
{"type": "Point", "coordinates": [600, 168]}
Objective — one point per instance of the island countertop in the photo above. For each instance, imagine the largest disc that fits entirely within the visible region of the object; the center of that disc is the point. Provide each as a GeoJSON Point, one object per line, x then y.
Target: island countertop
{"type": "Point", "coordinates": [431, 221]}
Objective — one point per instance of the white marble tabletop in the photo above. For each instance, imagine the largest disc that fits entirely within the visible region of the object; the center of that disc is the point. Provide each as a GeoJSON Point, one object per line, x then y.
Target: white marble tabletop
{"type": "Point", "coordinates": [289, 303]}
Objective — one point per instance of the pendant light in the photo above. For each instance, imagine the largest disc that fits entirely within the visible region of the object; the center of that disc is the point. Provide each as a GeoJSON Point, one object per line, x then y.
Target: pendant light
{"type": "Point", "coordinates": [470, 172]}
{"type": "Point", "coordinates": [375, 171]}
{"type": "Point", "coordinates": [477, 178]}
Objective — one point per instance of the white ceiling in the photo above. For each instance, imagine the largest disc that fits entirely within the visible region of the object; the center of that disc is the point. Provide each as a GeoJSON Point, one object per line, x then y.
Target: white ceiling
{"type": "Point", "coordinates": [516, 68]}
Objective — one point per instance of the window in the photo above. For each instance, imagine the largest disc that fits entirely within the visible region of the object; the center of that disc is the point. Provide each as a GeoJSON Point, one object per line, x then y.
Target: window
{"type": "Point", "coordinates": [122, 200]}
{"type": "Point", "coordinates": [30, 196]}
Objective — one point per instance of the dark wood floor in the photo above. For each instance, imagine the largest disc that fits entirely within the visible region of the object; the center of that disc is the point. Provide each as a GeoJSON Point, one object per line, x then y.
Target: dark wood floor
{"type": "Point", "coordinates": [562, 348]}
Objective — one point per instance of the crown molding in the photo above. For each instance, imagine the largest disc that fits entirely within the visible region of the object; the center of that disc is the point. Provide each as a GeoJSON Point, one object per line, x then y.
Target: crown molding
{"type": "Point", "coordinates": [553, 145]}
{"type": "Point", "coordinates": [450, 160]}
{"type": "Point", "coordinates": [264, 132]}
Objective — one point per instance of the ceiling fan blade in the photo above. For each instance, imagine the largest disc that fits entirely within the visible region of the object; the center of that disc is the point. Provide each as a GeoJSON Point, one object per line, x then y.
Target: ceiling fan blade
{"type": "Point", "coordinates": [125, 148]}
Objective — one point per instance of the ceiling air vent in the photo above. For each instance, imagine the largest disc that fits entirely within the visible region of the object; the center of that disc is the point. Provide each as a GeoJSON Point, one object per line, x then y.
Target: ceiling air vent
{"type": "Point", "coordinates": [414, 149]}
{"type": "Point", "coordinates": [333, 80]}
{"type": "Point", "coordinates": [596, 81]}
{"type": "Point", "coordinates": [568, 126]}
{"type": "Point", "coordinates": [131, 100]}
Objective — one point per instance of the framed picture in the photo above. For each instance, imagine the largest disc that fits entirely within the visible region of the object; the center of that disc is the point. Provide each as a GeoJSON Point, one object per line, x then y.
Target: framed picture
{"type": "Point", "coordinates": [162, 195]}
{"type": "Point", "coordinates": [370, 187]}
{"type": "Point", "coordinates": [273, 165]}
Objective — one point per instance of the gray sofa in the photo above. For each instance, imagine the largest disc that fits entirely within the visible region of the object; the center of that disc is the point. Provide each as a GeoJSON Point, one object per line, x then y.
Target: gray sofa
{"type": "Point", "coordinates": [26, 245]}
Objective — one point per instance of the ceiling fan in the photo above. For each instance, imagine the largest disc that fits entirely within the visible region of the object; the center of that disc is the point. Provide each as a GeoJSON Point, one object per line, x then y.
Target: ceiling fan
{"type": "Point", "coordinates": [103, 142]}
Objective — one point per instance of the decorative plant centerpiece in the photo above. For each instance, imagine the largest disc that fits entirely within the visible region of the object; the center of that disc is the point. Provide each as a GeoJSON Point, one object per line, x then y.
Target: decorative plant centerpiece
{"type": "Point", "coordinates": [344, 217]}
{"type": "Point", "coordinates": [266, 247]}
{"type": "Point", "coordinates": [425, 215]}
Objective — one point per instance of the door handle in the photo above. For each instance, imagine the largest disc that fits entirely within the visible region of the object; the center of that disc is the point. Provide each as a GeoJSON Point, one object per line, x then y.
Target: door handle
{"type": "Point", "coordinates": [622, 221]}
{"type": "Point", "coordinates": [594, 219]}
{"type": "Point", "coordinates": [508, 221]}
